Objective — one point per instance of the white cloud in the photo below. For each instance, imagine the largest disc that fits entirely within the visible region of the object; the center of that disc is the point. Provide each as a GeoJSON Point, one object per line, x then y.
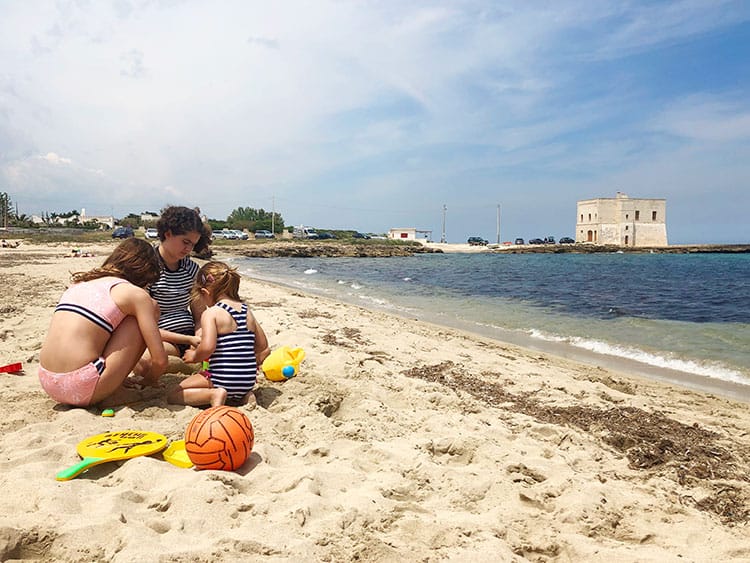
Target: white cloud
{"type": "Point", "coordinates": [337, 104]}
{"type": "Point", "coordinates": [706, 118]}
{"type": "Point", "coordinates": [56, 158]}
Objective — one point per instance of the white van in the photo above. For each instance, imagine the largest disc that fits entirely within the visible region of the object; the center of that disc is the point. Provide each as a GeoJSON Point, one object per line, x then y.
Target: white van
{"type": "Point", "coordinates": [304, 232]}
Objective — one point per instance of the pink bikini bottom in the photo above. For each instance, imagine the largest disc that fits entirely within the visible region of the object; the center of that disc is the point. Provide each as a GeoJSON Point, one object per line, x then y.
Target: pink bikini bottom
{"type": "Point", "coordinates": [73, 388]}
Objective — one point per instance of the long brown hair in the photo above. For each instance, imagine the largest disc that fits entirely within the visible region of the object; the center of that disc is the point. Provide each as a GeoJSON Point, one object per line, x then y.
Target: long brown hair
{"type": "Point", "coordinates": [133, 259]}
{"type": "Point", "coordinates": [219, 279]}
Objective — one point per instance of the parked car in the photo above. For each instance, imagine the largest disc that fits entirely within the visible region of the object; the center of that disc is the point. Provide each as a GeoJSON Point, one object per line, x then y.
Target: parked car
{"type": "Point", "coordinates": [360, 235]}
{"type": "Point", "coordinates": [519, 241]}
{"type": "Point", "coordinates": [225, 234]}
{"type": "Point", "coordinates": [476, 241]}
{"type": "Point", "coordinates": [549, 240]}
{"type": "Point", "coordinates": [536, 241]}
{"type": "Point", "coordinates": [152, 233]}
{"type": "Point", "coordinates": [264, 234]}
{"type": "Point", "coordinates": [242, 235]}
{"type": "Point", "coordinates": [123, 232]}
{"type": "Point", "coordinates": [566, 240]}
{"type": "Point", "coordinates": [325, 235]}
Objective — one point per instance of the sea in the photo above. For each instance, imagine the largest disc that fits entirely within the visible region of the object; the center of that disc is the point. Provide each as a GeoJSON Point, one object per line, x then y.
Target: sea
{"type": "Point", "coordinates": [683, 318]}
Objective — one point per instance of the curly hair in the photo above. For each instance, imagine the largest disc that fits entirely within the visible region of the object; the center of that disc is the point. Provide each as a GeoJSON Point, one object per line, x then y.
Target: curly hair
{"type": "Point", "coordinates": [180, 220]}
{"type": "Point", "coordinates": [133, 259]}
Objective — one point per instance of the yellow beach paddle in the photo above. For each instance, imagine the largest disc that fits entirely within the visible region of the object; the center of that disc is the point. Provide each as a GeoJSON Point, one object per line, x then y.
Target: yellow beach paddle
{"type": "Point", "coordinates": [113, 446]}
{"type": "Point", "coordinates": [177, 455]}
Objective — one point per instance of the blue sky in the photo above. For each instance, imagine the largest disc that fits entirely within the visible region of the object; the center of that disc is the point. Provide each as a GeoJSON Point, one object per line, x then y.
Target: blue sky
{"type": "Point", "coordinates": [372, 115]}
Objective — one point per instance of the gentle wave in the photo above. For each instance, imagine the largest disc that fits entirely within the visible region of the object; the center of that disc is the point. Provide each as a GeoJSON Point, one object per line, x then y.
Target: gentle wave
{"type": "Point", "coordinates": [716, 371]}
{"type": "Point", "coordinates": [672, 315]}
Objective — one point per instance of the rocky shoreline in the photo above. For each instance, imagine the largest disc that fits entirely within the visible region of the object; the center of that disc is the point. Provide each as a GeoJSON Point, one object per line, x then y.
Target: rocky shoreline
{"type": "Point", "coordinates": [385, 249]}
{"type": "Point", "coordinates": [324, 249]}
{"type": "Point", "coordinates": [609, 249]}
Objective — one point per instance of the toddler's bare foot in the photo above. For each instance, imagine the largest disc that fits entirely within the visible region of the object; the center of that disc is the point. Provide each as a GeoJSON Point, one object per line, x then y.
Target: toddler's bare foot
{"type": "Point", "coordinates": [249, 401]}
{"type": "Point", "coordinates": [218, 396]}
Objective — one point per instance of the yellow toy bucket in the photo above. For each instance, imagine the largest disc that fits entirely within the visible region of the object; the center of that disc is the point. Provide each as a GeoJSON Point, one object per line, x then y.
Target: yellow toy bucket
{"type": "Point", "coordinates": [283, 363]}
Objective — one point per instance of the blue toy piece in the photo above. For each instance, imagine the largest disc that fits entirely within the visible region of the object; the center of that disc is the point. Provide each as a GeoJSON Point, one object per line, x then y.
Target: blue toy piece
{"type": "Point", "coordinates": [288, 371]}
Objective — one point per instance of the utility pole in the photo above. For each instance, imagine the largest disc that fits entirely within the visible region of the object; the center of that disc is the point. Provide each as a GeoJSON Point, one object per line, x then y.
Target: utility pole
{"type": "Point", "coordinates": [442, 237]}
{"type": "Point", "coordinates": [498, 223]}
{"type": "Point", "coordinates": [273, 214]}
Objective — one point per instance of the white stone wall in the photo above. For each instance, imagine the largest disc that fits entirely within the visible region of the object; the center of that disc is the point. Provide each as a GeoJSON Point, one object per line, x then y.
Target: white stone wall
{"type": "Point", "coordinates": [622, 221]}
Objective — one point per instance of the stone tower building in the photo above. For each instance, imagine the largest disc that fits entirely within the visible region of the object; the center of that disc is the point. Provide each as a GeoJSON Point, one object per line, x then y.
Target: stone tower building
{"type": "Point", "coordinates": [622, 221]}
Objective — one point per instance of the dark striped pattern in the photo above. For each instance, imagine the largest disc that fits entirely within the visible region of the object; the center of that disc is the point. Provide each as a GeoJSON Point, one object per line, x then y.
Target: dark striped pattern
{"type": "Point", "coordinates": [90, 315]}
{"type": "Point", "coordinates": [172, 293]}
{"type": "Point", "coordinates": [233, 365]}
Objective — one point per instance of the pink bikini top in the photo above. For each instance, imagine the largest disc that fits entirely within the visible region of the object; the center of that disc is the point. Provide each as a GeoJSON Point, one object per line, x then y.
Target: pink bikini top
{"type": "Point", "coordinates": [92, 300]}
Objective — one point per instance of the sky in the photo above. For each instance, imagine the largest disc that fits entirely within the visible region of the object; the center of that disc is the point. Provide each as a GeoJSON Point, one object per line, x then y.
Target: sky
{"type": "Point", "coordinates": [371, 115]}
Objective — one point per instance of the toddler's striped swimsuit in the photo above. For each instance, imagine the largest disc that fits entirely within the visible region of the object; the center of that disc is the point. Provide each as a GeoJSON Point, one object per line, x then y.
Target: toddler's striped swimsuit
{"type": "Point", "coordinates": [233, 365]}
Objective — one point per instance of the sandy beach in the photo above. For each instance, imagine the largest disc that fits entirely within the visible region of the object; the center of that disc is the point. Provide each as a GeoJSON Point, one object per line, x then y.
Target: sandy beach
{"type": "Point", "coordinates": [398, 441]}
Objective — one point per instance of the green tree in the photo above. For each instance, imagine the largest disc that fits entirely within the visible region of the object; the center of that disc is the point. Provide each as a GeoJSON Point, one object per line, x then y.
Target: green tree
{"type": "Point", "coordinates": [132, 219]}
{"type": "Point", "coordinates": [6, 210]}
{"type": "Point", "coordinates": [255, 219]}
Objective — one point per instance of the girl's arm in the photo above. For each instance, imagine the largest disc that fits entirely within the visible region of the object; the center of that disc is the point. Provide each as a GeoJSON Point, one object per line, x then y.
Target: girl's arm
{"type": "Point", "coordinates": [143, 308]}
{"type": "Point", "coordinates": [207, 339]}
{"type": "Point", "coordinates": [261, 342]}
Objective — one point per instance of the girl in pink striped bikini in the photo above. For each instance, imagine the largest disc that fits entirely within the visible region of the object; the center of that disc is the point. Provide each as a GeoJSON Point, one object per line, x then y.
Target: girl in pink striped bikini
{"type": "Point", "coordinates": [101, 327]}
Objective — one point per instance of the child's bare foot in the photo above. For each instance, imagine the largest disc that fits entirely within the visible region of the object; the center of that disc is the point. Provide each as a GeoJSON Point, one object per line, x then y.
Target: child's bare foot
{"type": "Point", "coordinates": [218, 396]}
{"type": "Point", "coordinates": [249, 401]}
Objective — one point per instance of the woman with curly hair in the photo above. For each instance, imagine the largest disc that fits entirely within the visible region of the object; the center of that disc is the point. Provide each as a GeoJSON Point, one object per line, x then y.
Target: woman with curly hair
{"type": "Point", "coordinates": [181, 232]}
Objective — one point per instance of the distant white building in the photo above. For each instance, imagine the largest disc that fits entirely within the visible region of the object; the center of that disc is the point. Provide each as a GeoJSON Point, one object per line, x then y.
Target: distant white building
{"type": "Point", "coordinates": [107, 221]}
{"type": "Point", "coordinates": [622, 221]}
{"type": "Point", "coordinates": [408, 233]}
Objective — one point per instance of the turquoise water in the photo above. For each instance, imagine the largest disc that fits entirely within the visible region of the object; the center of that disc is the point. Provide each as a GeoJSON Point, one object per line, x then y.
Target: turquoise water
{"type": "Point", "coordinates": [689, 313]}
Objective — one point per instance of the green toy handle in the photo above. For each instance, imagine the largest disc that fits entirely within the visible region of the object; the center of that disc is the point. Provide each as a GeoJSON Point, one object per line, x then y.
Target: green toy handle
{"type": "Point", "coordinates": [77, 469]}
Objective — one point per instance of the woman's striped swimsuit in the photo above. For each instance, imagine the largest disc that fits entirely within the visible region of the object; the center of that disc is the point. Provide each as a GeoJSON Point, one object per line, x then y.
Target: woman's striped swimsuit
{"type": "Point", "coordinates": [233, 365]}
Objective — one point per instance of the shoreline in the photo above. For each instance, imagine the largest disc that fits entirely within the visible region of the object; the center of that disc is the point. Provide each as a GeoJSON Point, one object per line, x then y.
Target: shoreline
{"type": "Point", "coordinates": [397, 436]}
{"type": "Point", "coordinates": [689, 381]}
{"type": "Point", "coordinates": [586, 248]}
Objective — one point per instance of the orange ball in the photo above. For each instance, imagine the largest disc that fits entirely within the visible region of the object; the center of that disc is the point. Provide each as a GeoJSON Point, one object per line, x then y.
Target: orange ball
{"type": "Point", "coordinates": [219, 438]}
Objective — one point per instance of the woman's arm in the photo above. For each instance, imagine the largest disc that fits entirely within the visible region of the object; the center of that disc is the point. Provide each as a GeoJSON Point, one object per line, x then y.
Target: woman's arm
{"type": "Point", "coordinates": [178, 338]}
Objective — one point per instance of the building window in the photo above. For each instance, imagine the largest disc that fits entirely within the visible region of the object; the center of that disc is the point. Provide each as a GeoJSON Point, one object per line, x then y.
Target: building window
{"type": "Point", "coordinates": [627, 216]}
{"type": "Point", "coordinates": [653, 215]}
{"type": "Point", "coordinates": [626, 227]}
{"type": "Point", "coordinates": [589, 217]}
{"type": "Point", "coordinates": [581, 217]}
{"type": "Point", "coordinates": [637, 215]}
